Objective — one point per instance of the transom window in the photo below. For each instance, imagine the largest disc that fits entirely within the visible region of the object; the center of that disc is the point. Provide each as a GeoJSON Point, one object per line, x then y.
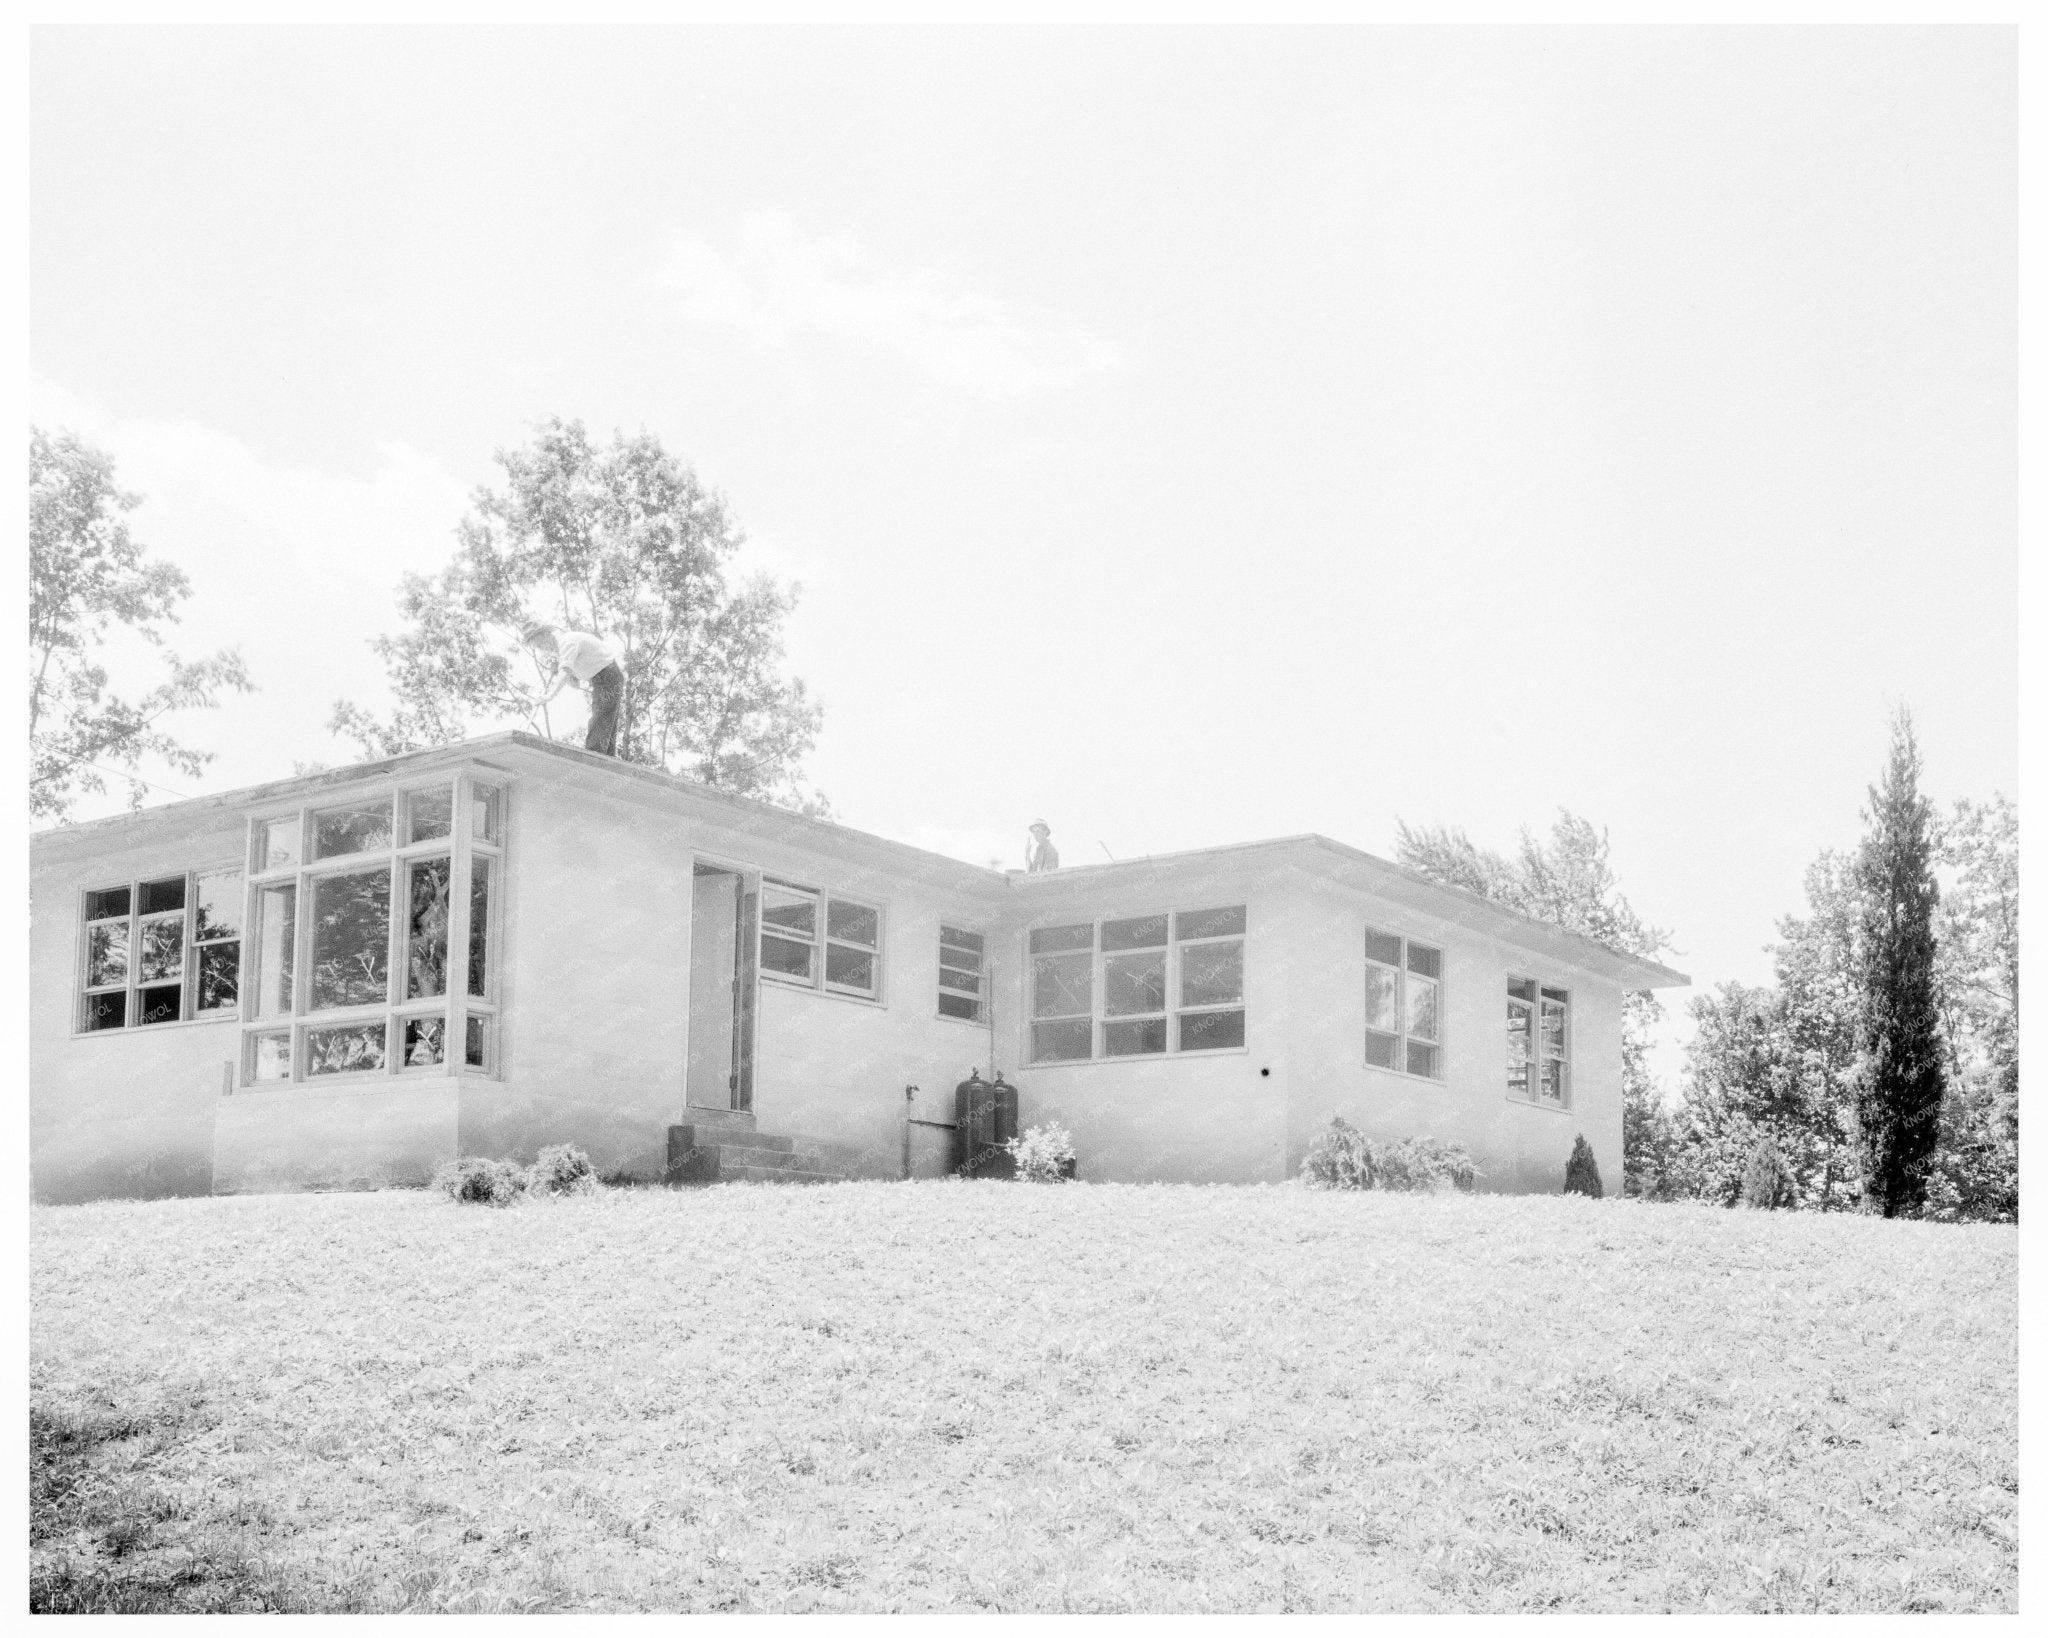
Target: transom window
{"type": "Point", "coordinates": [1539, 1042]}
{"type": "Point", "coordinates": [1128, 988]}
{"type": "Point", "coordinates": [371, 935]}
{"type": "Point", "coordinates": [816, 940]}
{"type": "Point", "coordinates": [962, 967]}
{"type": "Point", "coordinates": [1403, 1004]}
{"type": "Point", "coordinates": [162, 950]}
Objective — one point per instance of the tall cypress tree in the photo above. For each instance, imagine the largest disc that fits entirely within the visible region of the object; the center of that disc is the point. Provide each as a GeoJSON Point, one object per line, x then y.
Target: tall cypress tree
{"type": "Point", "coordinates": [1898, 1102]}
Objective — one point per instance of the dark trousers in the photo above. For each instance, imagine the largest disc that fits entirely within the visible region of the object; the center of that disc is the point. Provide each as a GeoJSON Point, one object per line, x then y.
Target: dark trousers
{"type": "Point", "coordinates": [607, 688]}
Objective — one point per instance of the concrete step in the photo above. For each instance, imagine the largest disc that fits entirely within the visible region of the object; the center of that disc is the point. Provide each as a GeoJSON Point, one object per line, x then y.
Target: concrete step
{"type": "Point", "coordinates": [779, 1174]}
{"type": "Point", "coordinates": [745, 1137]}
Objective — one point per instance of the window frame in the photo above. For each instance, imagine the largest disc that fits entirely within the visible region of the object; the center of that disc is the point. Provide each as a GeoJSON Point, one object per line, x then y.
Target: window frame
{"type": "Point", "coordinates": [1100, 1019]}
{"type": "Point", "coordinates": [821, 942]}
{"type": "Point", "coordinates": [132, 986]}
{"type": "Point", "coordinates": [983, 971]}
{"type": "Point", "coordinates": [1543, 994]}
{"type": "Point", "coordinates": [474, 853]}
{"type": "Point", "coordinates": [1402, 1039]}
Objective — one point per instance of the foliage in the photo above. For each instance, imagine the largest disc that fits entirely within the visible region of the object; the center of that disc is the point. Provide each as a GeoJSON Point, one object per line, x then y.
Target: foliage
{"type": "Point", "coordinates": [1044, 1154]}
{"type": "Point", "coordinates": [1569, 879]}
{"type": "Point", "coordinates": [1766, 1185]}
{"type": "Point", "coordinates": [87, 577]}
{"type": "Point", "coordinates": [1582, 1171]}
{"type": "Point", "coordinates": [474, 1180]}
{"type": "Point", "coordinates": [561, 1168]}
{"type": "Point", "coordinates": [1901, 1060]}
{"type": "Point", "coordinates": [623, 541]}
{"type": "Point", "coordinates": [1343, 1157]}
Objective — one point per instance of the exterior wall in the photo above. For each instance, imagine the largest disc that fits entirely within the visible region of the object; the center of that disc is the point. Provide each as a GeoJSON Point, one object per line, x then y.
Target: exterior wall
{"type": "Point", "coordinates": [121, 1112]}
{"type": "Point", "coordinates": [1520, 1147]}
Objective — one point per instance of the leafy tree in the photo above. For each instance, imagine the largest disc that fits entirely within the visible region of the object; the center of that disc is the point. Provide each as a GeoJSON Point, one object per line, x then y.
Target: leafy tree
{"type": "Point", "coordinates": [1568, 879]}
{"type": "Point", "coordinates": [1582, 1171]}
{"type": "Point", "coordinates": [621, 540]}
{"type": "Point", "coordinates": [87, 576]}
{"type": "Point", "coordinates": [1900, 1078]}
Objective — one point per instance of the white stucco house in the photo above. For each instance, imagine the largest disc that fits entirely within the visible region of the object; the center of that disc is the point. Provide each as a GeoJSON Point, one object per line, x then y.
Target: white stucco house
{"type": "Point", "coordinates": [344, 979]}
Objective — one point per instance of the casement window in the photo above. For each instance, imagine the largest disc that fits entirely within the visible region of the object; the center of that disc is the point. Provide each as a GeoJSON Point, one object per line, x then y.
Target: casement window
{"type": "Point", "coordinates": [818, 941]}
{"type": "Point", "coordinates": [1403, 1004]}
{"type": "Point", "coordinates": [962, 969]}
{"type": "Point", "coordinates": [1539, 1042]}
{"type": "Point", "coordinates": [162, 950]}
{"type": "Point", "coordinates": [1138, 986]}
{"type": "Point", "coordinates": [371, 935]}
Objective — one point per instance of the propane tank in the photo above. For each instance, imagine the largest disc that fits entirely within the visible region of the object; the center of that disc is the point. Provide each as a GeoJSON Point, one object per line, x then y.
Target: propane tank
{"type": "Point", "coordinates": [1005, 1096]}
{"type": "Point", "coordinates": [973, 1119]}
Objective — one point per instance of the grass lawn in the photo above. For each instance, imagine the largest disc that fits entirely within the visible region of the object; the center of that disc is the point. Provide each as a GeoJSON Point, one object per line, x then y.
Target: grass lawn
{"type": "Point", "coordinates": [999, 1396]}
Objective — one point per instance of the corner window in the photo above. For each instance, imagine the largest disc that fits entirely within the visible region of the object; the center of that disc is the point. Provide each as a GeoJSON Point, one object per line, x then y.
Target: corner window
{"type": "Point", "coordinates": [1138, 986]}
{"type": "Point", "coordinates": [815, 940]}
{"type": "Point", "coordinates": [1539, 1042]}
{"type": "Point", "coordinates": [161, 950]}
{"type": "Point", "coordinates": [962, 966]}
{"type": "Point", "coordinates": [1403, 1004]}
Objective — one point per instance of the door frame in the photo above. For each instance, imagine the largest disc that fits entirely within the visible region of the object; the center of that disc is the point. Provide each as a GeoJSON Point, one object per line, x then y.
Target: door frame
{"type": "Point", "coordinates": [746, 988]}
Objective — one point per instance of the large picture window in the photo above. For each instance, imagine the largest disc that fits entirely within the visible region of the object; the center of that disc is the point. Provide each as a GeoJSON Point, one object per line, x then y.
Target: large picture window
{"type": "Point", "coordinates": [162, 950]}
{"type": "Point", "coordinates": [1403, 1004]}
{"type": "Point", "coordinates": [816, 940]}
{"type": "Point", "coordinates": [1539, 1043]}
{"type": "Point", "coordinates": [1138, 987]}
{"type": "Point", "coordinates": [371, 935]}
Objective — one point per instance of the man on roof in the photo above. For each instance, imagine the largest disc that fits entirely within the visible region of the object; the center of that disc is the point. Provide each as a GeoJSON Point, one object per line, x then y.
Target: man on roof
{"type": "Point", "coordinates": [592, 664]}
{"type": "Point", "coordinates": [1039, 853]}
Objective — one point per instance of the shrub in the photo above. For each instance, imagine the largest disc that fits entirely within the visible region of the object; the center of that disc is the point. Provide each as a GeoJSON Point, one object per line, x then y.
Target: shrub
{"type": "Point", "coordinates": [1766, 1184]}
{"type": "Point", "coordinates": [1345, 1158]}
{"type": "Point", "coordinates": [1045, 1154]}
{"type": "Point", "coordinates": [1582, 1171]}
{"type": "Point", "coordinates": [474, 1180]}
{"type": "Point", "coordinates": [561, 1168]}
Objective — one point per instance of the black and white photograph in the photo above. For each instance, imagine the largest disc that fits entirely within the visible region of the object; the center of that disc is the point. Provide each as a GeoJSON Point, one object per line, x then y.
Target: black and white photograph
{"type": "Point", "coordinates": [1169, 818]}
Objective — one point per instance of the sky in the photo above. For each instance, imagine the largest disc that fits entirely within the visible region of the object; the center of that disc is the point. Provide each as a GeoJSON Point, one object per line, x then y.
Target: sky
{"type": "Point", "coordinates": [1189, 436]}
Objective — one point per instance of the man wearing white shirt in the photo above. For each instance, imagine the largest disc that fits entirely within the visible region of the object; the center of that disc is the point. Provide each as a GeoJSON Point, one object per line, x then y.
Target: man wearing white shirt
{"type": "Point", "coordinates": [593, 665]}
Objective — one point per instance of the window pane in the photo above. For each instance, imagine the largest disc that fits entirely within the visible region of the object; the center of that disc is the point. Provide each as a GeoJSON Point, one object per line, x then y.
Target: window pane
{"type": "Point", "coordinates": [220, 974]}
{"type": "Point", "coordinates": [1209, 923]}
{"type": "Point", "coordinates": [955, 939]}
{"type": "Point", "coordinates": [1063, 938]}
{"type": "Point", "coordinates": [1522, 988]}
{"type": "Point", "coordinates": [1054, 1043]}
{"type": "Point", "coordinates": [277, 843]}
{"type": "Point", "coordinates": [850, 968]}
{"type": "Point", "coordinates": [1139, 933]}
{"type": "Point", "coordinates": [109, 901]}
{"type": "Point", "coordinates": [1422, 1008]}
{"type": "Point", "coordinates": [276, 931]}
{"type": "Point", "coordinates": [1519, 1030]}
{"type": "Point", "coordinates": [1062, 986]}
{"type": "Point", "coordinates": [1210, 973]}
{"type": "Point", "coordinates": [106, 954]}
{"type": "Point", "coordinates": [952, 978]}
{"type": "Point", "coordinates": [426, 928]}
{"type": "Point", "coordinates": [351, 938]}
{"type": "Point", "coordinates": [423, 1041]}
{"type": "Point", "coordinates": [1381, 1050]}
{"type": "Point", "coordinates": [270, 1057]}
{"type": "Point", "coordinates": [1553, 1029]}
{"type": "Point", "coordinates": [855, 923]}
{"type": "Point", "coordinates": [429, 816]}
{"type": "Point", "coordinates": [351, 830]}
{"type": "Point", "coordinates": [108, 1011]}
{"type": "Point", "coordinates": [479, 926]}
{"type": "Point", "coordinates": [1553, 995]}
{"type": "Point", "coordinates": [475, 1033]}
{"type": "Point", "coordinates": [217, 906]}
{"type": "Point", "coordinates": [959, 1006]}
{"type": "Point", "coordinates": [1199, 1030]}
{"type": "Point", "coordinates": [1421, 1059]}
{"type": "Point", "coordinates": [157, 897]}
{"type": "Point", "coordinates": [791, 960]}
{"type": "Point", "coordinates": [1553, 1079]}
{"type": "Point", "coordinates": [1134, 983]}
{"type": "Point", "coordinates": [1382, 947]}
{"type": "Point", "coordinates": [162, 952]}
{"type": "Point", "coordinates": [345, 1047]}
{"type": "Point", "coordinates": [484, 816]}
{"type": "Point", "coordinates": [793, 912]}
{"type": "Point", "coordinates": [1380, 985]}
{"type": "Point", "coordinates": [1130, 1038]}
{"type": "Point", "coordinates": [158, 1006]}
{"type": "Point", "coordinates": [1424, 961]}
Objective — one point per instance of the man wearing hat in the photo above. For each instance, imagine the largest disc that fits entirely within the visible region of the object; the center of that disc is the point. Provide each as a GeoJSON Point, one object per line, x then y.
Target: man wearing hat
{"type": "Point", "coordinates": [1039, 853]}
{"type": "Point", "coordinates": [591, 664]}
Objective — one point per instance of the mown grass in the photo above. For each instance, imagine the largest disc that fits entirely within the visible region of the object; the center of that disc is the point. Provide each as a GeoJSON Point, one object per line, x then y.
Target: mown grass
{"type": "Point", "coordinates": [999, 1396]}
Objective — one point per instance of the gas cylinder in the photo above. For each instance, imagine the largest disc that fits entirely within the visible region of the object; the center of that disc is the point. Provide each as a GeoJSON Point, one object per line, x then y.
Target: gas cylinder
{"type": "Point", "coordinates": [973, 1119]}
{"type": "Point", "coordinates": [1005, 1096]}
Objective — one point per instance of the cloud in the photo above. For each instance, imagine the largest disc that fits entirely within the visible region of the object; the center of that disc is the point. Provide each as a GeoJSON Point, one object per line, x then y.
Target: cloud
{"type": "Point", "coordinates": [788, 295]}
